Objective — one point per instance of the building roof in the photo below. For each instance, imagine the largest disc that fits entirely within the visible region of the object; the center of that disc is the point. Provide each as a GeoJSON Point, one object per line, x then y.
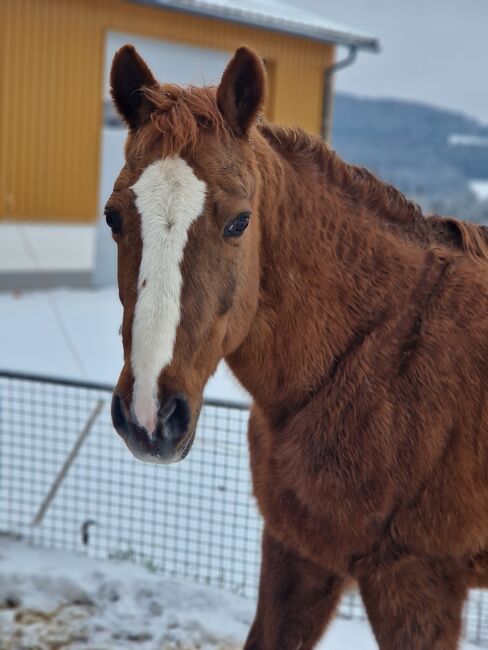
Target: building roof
{"type": "Point", "coordinates": [276, 16]}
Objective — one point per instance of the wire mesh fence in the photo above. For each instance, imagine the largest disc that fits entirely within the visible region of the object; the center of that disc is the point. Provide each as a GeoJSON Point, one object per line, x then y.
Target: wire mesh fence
{"type": "Point", "coordinates": [195, 519]}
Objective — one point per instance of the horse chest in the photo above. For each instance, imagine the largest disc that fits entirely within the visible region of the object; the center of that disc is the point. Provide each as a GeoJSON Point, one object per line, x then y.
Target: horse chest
{"type": "Point", "coordinates": [335, 508]}
{"type": "Point", "coordinates": [318, 514]}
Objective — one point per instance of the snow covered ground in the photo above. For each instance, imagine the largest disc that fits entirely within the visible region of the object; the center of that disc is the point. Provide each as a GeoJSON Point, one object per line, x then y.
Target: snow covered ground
{"type": "Point", "coordinates": [74, 333]}
{"type": "Point", "coordinates": [51, 600]}
{"type": "Point", "coordinates": [56, 599]}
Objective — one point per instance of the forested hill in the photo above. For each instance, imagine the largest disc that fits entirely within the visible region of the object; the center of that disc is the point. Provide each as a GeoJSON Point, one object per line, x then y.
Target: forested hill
{"type": "Point", "coordinates": [429, 153]}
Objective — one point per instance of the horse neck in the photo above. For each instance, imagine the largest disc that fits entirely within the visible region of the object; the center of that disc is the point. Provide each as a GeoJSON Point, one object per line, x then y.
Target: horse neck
{"type": "Point", "coordinates": [319, 282]}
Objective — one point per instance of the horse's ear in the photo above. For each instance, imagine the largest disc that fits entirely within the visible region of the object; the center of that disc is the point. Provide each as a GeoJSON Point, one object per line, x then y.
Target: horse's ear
{"type": "Point", "coordinates": [241, 93]}
{"type": "Point", "coordinates": [129, 74]}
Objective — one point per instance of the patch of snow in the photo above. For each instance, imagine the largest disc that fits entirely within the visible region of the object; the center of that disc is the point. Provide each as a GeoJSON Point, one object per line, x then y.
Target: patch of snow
{"type": "Point", "coordinates": [480, 188]}
{"type": "Point", "coordinates": [52, 599]}
{"type": "Point", "coordinates": [273, 14]}
{"type": "Point", "coordinates": [467, 140]}
{"type": "Point", "coordinates": [57, 599]}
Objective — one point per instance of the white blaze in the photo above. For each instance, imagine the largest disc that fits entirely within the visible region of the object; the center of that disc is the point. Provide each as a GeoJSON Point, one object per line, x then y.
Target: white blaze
{"type": "Point", "coordinates": [169, 198]}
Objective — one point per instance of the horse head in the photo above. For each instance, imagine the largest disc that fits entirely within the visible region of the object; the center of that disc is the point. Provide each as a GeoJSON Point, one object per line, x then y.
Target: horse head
{"type": "Point", "coordinates": [184, 216]}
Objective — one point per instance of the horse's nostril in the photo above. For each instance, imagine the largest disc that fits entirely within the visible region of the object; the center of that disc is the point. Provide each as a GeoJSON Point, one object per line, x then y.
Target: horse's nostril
{"type": "Point", "coordinates": [169, 409]}
{"type": "Point", "coordinates": [175, 417]}
{"type": "Point", "coordinates": [118, 417]}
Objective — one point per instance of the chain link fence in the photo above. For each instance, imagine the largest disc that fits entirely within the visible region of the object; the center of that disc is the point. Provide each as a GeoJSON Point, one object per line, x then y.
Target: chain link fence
{"type": "Point", "coordinates": [196, 519]}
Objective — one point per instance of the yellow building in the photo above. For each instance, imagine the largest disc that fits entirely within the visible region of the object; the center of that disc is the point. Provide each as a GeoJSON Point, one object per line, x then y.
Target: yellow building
{"type": "Point", "coordinates": [53, 66]}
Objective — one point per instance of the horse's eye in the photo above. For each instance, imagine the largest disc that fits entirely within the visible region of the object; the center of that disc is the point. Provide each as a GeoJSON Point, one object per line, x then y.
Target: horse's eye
{"type": "Point", "coordinates": [238, 225]}
{"type": "Point", "coordinates": [112, 217]}
{"type": "Point", "coordinates": [204, 122]}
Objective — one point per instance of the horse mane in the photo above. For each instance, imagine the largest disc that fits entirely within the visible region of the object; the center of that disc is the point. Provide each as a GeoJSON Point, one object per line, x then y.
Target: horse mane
{"type": "Point", "coordinates": [388, 204]}
{"type": "Point", "coordinates": [181, 115]}
{"type": "Point", "coordinates": [356, 182]}
{"type": "Point", "coordinates": [464, 235]}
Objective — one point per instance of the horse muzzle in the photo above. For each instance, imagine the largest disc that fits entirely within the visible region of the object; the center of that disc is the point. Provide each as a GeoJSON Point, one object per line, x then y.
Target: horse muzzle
{"type": "Point", "coordinates": [171, 439]}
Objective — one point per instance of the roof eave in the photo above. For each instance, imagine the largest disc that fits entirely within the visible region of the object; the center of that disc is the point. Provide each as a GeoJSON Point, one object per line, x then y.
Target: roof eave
{"type": "Point", "coordinates": [320, 35]}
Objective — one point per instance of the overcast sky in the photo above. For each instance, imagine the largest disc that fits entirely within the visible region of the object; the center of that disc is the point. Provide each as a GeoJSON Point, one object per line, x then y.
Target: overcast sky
{"type": "Point", "coordinates": [434, 51]}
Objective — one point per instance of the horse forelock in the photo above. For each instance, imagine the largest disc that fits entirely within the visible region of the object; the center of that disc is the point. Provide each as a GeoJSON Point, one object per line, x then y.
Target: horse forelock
{"type": "Point", "coordinates": [180, 116]}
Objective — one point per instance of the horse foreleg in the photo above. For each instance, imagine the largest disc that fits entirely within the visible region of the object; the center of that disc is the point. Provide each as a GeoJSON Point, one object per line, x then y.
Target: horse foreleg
{"type": "Point", "coordinates": [296, 601]}
{"type": "Point", "coordinates": [416, 604]}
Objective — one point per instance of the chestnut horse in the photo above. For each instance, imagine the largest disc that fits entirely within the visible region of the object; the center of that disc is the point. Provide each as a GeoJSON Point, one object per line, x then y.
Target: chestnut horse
{"type": "Point", "coordinates": [359, 327]}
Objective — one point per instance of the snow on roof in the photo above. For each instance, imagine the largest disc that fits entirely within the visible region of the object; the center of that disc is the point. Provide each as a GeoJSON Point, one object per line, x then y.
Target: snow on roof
{"type": "Point", "coordinates": [273, 15]}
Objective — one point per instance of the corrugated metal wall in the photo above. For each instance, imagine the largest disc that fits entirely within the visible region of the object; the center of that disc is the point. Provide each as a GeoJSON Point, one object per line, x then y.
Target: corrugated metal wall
{"type": "Point", "coordinates": [51, 72]}
{"type": "Point", "coordinates": [51, 109]}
